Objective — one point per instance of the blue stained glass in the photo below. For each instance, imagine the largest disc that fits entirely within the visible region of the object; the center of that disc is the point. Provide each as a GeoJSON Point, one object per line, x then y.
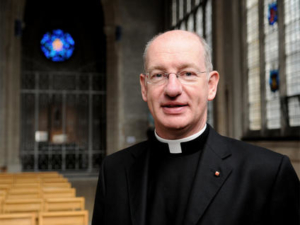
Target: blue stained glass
{"type": "Point", "coordinates": [273, 13]}
{"type": "Point", "coordinates": [58, 45]}
{"type": "Point", "coordinates": [274, 80]}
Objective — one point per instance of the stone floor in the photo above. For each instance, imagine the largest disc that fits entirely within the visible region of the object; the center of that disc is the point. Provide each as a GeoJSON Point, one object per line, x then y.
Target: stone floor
{"type": "Point", "coordinates": [86, 187]}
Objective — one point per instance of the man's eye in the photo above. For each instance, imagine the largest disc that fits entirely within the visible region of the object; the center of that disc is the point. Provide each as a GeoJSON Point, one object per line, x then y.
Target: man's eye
{"type": "Point", "coordinates": [156, 75]}
{"type": "Point", "coordinates": [188, 74]}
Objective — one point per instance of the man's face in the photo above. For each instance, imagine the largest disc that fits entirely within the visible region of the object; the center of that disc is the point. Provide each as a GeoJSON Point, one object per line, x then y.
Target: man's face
{"type": "Point", "coordinates": [179, 110]}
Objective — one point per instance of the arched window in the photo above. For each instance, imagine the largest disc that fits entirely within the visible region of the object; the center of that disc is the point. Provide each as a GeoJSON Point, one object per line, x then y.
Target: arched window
{"type": "Point", "coordinates": [273, 59]}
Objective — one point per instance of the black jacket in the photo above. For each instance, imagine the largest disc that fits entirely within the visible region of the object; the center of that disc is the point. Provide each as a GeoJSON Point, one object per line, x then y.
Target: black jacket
{"type": "Point", "coordinates": [255, 186]}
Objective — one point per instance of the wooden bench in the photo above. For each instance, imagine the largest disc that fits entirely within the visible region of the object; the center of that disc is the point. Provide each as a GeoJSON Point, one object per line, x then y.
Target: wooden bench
{"type": "Point", "coordinates": [6, 176]}
{"type": "Point", "coordinates": [17, 219]}
{"type": "Point", "coordinates": [64, 204]}
{"type": "Point", "coordinates": [26, 180]}
{"type": "Point", "coordinates": [59, 193]}
{"type": "Point", "coordinates": [56, 185]}
{"type": "Point", "coordinates": [2, 197]}
{"type": "Point", "coordinates": [23, 206]}
{"type": "Point", "coordinates": [1, 204]}
{"type": "Point", "coordinates": [50, 175]}
{"type": "Point", "coordinates": [6, 180]}
{"type": "Point", "coordinates": [3, 193]}
{"type": "Point", "coordinates": [5, 187]}
{"type": "Point", "coordinates": [26, 185]}
{"type": "Point", "coordinates": [64, 218]}
{"type": "Point", "coordinates": [19, 193]}
{"type": "Point", "coordinates": [54, 180]}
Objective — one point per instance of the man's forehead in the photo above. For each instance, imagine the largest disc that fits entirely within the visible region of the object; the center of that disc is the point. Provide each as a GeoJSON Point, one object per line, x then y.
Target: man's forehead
{"type": "Point", "coordinates": [171, 45]}
{"type": "Point", "coordinates": [174, 37]}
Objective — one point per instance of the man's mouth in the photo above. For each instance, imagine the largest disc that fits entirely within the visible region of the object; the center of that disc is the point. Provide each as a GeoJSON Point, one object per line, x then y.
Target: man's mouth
{"type": "Point", "coordinates": [173, 106]}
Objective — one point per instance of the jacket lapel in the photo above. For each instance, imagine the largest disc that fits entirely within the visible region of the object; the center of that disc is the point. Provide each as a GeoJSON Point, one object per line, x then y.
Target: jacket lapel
{"type": "Point", "coordinates": [207, 183]}
{"type": "Point", "coordinates": [137, 176]}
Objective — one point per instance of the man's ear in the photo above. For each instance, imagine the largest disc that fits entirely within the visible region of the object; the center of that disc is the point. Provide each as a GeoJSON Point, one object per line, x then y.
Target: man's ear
{"type": "Point", "coordinates": [143, 87]}
{"type": "Point", "coordinates": [213, 81]}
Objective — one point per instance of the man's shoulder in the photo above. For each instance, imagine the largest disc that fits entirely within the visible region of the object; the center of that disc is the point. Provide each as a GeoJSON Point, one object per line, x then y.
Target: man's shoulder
{"type": "Point", "coordinates": [126, 155]}
{"type": "Point", "coordinates": [253, 156]}
{"type": "Point", "coordinates": [243, 150]}
{"type": "Point", "coordinates": [251, 149]}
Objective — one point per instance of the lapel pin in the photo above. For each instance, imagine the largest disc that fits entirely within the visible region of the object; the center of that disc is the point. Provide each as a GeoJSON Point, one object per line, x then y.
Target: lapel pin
{"type": "Point", "coordinates": [217, 174]}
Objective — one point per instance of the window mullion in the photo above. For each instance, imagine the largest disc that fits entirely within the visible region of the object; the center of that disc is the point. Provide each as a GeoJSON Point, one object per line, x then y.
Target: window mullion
{"type": "Point", "coordinates": [282, 69]}
{"type": "Point", "coordinates": [245, 105]}
{"type": "Point", "coordinates": [262, 67]}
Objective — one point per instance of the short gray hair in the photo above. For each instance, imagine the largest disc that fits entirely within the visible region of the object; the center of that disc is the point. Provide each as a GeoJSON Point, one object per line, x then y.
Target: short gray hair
{"type": "Point", "coordinates": [206, 47]}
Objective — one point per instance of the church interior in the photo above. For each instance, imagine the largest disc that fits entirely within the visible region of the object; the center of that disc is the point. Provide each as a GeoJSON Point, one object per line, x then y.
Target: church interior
{"type": "Point", "coordinates": [70, 92]}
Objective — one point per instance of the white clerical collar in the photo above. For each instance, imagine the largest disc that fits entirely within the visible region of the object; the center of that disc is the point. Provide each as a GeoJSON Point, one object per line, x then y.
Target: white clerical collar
{"type": "Point", "coordinates": [174, 145]}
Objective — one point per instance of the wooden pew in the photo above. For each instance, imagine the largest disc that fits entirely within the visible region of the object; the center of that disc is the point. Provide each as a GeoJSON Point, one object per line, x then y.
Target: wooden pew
{"type": "Point", "coordinates": [65, 218]}
{"type": "Point", "coordinates": [64, 204]}
{"type": "Point", "coordinates": [17, 219]}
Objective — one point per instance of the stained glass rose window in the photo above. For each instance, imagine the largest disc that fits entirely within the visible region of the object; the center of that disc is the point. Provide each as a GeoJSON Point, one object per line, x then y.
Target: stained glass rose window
{"type": "Point", "coordinates": [57, 45]}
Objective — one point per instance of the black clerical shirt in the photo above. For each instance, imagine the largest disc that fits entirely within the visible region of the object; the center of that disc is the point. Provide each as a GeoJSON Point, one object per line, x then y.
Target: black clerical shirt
{"type": "Point", "coordinates": [171, 178]}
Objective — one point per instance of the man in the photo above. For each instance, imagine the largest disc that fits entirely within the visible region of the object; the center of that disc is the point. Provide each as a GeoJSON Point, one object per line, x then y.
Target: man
{"type": "Point", "coordinates": [188, 174]}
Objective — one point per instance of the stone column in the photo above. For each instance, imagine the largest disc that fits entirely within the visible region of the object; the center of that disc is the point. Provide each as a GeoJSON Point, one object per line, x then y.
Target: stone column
{"type": "Point", "coordinates": [113, 54]}
{"type": "Point", "coordinates": [228, 61]}
{"type": "Point", "coordinates": [128, 26]}
{"type": "Point", "coordinates": [11, 14]}
{"type": "Point", "coordinates": [2, 63]}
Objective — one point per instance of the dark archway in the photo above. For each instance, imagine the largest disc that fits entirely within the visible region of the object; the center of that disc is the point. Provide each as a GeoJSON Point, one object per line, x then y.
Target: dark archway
{"type": "Point", "coordinates": [63, 104]}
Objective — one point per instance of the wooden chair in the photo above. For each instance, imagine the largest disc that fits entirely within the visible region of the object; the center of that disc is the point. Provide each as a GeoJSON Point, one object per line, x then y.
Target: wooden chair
{"type": "Point", "coordinates": [27, 180]}
{"type": "Point", "coordinates": [64, 218]}
{"type": "Point", "coordinates": [6, 175]}
{"type": "Point", "coordinates": [54, 180]}
{"type": "Point", "coordinates": [1, 204]}
{"type": "Point", "coordinates": [17, 219]}
{"type": "Point", "coordinates": [6, 180]}
{"type": "Point", "coordinates": [19, 193]}
{"type": "Point", "coordinates": [64, 204]}
{"type": "Point", "coordinates": [3, 193]}
{"type": "Point", "coordinates": [59, 193]}
{"type": "Point", "coordinates": [26, 185]}
{"type": "Point", "coordinates": [50, 175]}
{"type": "Point", "coordinates": [5, 187]}
{"type": "Point", "coordinates": [23, 206]}
{"type": "Point", "coordinates": [56, 185]}
{"type": "Point", "coordinates": [26, 175]}
{"type": "Point", "coordinates": [2, 197]}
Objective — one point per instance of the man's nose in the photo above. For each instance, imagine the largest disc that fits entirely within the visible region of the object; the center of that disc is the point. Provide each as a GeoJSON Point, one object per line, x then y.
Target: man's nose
{"type": "Point", "coordinates": [173, 87]}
